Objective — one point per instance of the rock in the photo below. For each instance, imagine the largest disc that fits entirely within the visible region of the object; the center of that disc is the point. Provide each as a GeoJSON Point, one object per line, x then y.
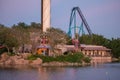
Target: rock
{"type": "Point", "coordinates": [38, 61]}
{"type": "Point", "coordinates": [25, 55]}
{"type": "Point", "coordinates": [1, 63]}
{"type": "Point", "coordinates": [4, 57]}
{"type": "Point", "coordinates": [8, 62]}
{"type": "Point", "coordinates": [18, 60]}
{"type": "Point", "coordinates": [21, 61]}
{"type": "Point", "coordinates": [14, 58]}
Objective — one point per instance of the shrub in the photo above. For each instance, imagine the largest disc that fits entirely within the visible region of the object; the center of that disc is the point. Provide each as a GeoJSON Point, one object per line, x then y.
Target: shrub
{"type": "Point", "coordinates": [2, 50]}
{"type": "Point", "coordinates": [32, 57]}
{"type": "Point", "coordinates": [87, 59]}
{"type": "Point", "coordinates": [74, 57]}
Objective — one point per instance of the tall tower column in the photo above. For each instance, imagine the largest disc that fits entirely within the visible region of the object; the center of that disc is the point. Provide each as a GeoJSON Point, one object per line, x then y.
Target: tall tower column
{"type": "Point", "coordinates": [45, 15]}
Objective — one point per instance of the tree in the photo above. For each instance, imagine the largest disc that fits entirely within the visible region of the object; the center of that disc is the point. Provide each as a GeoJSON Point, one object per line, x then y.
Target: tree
{"type": "Point", "coordinates": [115, 46]}
{"type": "Point", "coordinates": [56, 36]}
{"type": "Point", "coordinates": [7, 38]}
{"type": "Point", "coordinates": [94, 40]}
{"type": "Point", "coordinates": [21, 33]}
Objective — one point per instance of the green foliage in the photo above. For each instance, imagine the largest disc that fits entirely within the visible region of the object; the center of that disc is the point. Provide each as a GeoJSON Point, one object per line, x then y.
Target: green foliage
{"type": "Point", "coordinates": [56, 36]}
{"type": "Point", "coordinates": [7, 38]}
{"type": "Point", "coordinates": [87, 59]}
{"type": "Point", "coordinates": [20, 34]}
{"type": "Point", "coordinates": [11, 54]}
{"type": "Point", "coordinates": [32, 57]}
{"type": "Point", "coordinates": [75, 57]}
{"type": "Point", "coordinates": [2, 50]}
{"type": "Point", "coordinates": [94, 39]}
{"type": "Point", "coordinates": [113, 44]}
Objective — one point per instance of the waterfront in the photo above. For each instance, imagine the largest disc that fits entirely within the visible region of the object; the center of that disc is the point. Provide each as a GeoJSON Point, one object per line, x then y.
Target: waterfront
{"type": "Point", "coordinates": [109, 71]}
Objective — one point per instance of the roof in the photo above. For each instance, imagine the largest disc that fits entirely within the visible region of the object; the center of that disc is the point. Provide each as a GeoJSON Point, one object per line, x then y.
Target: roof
{"type": "Point", "coordinates": [94, 47]}
{"type": "Point", "coordinates": [88, 47]}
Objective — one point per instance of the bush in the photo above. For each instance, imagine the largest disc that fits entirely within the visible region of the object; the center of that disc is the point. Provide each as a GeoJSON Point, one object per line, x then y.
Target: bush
{"type": "Point", "coordinates": [87, 59]}
{"type": "Point", "coordinates": [75, 57]}
{"type": "Point", "coordinates": [2, 50]}
{"type": "Point", "coordinates": [11, 54]}
{"type": "Point", "coordinates": [32, 57]}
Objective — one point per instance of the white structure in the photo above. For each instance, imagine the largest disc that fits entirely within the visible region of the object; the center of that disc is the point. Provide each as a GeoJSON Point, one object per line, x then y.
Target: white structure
{"type": "Point", "coordinates": [45, 14]}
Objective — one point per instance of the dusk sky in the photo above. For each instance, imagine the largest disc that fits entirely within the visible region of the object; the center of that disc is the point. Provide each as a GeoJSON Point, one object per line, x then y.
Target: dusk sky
{"type": "Point", "coordinates": [103, 16]}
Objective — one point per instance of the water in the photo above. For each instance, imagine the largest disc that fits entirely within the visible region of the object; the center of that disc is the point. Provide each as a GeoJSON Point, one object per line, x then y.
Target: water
{"type": "Point", "coordinates": [109, 71]}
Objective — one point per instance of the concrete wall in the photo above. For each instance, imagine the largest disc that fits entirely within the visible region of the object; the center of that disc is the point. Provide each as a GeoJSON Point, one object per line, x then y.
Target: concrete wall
{"type": "Point", "coordinates": [101, 59]}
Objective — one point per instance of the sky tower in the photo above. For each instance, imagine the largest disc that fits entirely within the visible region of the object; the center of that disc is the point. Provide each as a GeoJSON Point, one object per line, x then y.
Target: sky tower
{"type": "Point", "coordinates": [45, 14]}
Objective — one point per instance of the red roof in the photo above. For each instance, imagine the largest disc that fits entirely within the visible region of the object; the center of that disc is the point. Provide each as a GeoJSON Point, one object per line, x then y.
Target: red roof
{"type": "Point", "coordinates": [94, 47]}
{"type": "Point", "coordinates": [88, 47]}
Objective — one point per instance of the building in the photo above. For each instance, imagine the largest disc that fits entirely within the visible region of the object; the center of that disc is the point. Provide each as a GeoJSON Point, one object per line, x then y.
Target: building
{"type": "Point", "coordinates": [44, 50]}
{"type": "Point", "coordinates": [98, 54]}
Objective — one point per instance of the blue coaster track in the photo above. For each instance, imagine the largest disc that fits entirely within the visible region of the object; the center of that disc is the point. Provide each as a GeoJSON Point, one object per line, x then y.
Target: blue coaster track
{"type": "Point", "coordinates": [78, 29]}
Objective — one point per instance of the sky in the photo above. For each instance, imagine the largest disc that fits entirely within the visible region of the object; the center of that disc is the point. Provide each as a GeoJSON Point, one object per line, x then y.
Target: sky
{"type": "Point", "coordinates": [103, 16]}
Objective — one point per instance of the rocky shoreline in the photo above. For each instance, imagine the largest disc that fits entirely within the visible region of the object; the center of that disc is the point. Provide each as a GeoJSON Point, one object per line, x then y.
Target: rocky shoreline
{"type": "Point", "coordinates": [21, 61]}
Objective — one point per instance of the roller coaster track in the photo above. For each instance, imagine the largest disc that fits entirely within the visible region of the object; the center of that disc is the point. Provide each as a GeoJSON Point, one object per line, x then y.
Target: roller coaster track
{"type": "Point", "coordinates": [73, 18]}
